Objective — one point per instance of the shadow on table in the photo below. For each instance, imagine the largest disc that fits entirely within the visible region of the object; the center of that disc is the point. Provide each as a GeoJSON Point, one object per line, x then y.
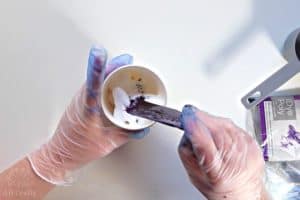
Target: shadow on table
{"type": "Point", "coordinates": [274, 17]}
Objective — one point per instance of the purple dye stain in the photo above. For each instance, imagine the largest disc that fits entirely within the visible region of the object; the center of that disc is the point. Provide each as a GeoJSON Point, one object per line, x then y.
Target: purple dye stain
{"type": "Point", "coordinates": [292, 138]}
{"type": "Point", "coordinates": [134, 103]}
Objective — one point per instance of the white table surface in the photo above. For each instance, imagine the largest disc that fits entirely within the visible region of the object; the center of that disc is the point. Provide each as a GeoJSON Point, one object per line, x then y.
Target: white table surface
{"type": "Point", "coordinates": [209, 53]}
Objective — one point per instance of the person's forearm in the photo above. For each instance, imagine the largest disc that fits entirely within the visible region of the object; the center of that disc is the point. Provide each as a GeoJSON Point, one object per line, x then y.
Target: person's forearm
{"type": "Point", "coordinates": [20, 182]}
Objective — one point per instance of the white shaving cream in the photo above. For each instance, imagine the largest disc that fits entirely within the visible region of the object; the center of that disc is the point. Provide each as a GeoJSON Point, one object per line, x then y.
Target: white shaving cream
{"type": "Point", "coordinates": [122, 101]}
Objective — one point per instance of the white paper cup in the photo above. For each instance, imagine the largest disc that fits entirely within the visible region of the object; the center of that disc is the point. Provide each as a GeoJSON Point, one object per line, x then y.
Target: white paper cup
{"type": "Point", "coordinates": [136, 81]}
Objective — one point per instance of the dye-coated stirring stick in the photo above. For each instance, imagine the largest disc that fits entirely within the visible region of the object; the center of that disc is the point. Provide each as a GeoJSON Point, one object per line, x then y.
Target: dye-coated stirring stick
{"type": "Point", "coordinates": [168, 116]}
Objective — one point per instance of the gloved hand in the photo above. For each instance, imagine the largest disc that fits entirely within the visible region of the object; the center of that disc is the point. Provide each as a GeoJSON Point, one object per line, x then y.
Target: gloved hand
{"type": "Point", "coordinates": [221, 159]}
{"type": "Point", "coordinates": [83, 133]}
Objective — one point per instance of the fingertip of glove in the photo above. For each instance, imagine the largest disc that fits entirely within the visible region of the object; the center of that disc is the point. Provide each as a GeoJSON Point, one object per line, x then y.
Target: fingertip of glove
{"type": "Point", "coordinates": [121, 60]}
{"type": "Point", "coordinates": [140, 134]}
{"type": "Point", "coordinates": [97, 50]}
{"type": "Point", "coordinates": [97, 57]}
{"type": "Point", "coordinates": [96, 64]}
{"type": "Point", "coordinates": [188, 118]}
{"type": "Point", "coordinates": [189, 110]}
{"type": "Point", "coordinates": [125, 58]}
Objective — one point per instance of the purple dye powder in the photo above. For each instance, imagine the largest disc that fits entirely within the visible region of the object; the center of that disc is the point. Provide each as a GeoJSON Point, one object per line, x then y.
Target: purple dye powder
{"type": "Point", "coordinates": [292, 136]}
{"type": "Point", "coordinates": [134, 103]}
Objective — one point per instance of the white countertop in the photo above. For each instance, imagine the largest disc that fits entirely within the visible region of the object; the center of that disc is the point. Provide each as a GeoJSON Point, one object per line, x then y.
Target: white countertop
{"type": "Point", "coordinates": [209, 53]}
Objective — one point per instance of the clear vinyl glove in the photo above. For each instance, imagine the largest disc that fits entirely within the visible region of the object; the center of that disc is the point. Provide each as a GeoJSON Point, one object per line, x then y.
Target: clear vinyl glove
{"type": "Point", "coordinates": [83, 133]}
{"type": "Point", "coordinates": [221, 159]}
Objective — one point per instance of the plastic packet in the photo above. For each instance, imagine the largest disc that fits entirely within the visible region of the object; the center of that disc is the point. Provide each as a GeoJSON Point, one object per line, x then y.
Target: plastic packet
{"type": "Point", "coordinates": [277, 127]}
{"type": "Point", "coordinates": [275, 123]}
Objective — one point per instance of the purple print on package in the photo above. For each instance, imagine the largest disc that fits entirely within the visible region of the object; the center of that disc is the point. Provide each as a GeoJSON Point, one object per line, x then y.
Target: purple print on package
{"type": "Point", "coordinates": [263, 129]}
{"type": "Point", "coordinates": [292, 138]}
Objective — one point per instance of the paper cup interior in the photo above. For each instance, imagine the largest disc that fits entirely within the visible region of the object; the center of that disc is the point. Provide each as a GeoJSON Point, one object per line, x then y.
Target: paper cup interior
{"type": "Point", "coordinates": [136, 81]}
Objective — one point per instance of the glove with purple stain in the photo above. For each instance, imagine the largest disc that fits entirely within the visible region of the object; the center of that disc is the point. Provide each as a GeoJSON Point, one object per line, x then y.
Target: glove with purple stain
{"type": "Point", "coordinates": [221, 159]}
{"type": "Point", "coordinates": [83, 133]}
